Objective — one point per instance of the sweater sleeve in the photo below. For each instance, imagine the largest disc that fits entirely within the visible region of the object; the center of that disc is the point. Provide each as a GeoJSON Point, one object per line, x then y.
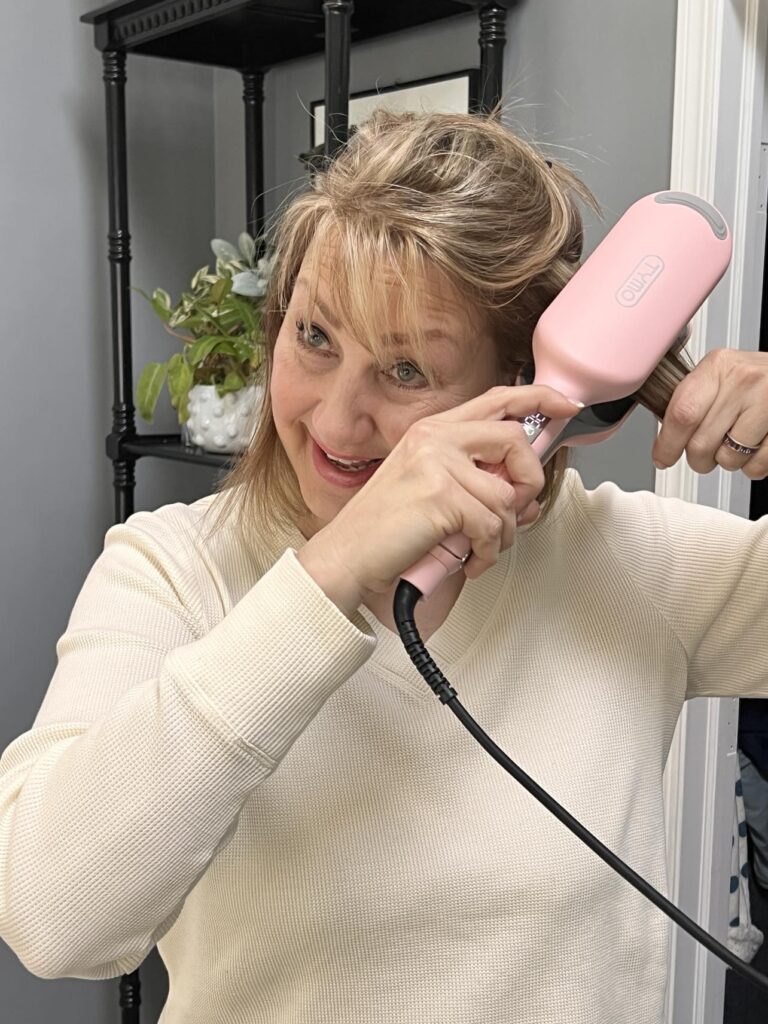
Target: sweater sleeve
{"type": "Point", "coordinates": [706, 573]}
{"type": "Point", "coordinates": [149, 740]}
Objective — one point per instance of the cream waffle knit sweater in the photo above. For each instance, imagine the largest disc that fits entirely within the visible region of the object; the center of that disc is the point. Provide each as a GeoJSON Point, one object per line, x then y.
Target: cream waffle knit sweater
{"type": "Point", "coordinates": [226, 766]}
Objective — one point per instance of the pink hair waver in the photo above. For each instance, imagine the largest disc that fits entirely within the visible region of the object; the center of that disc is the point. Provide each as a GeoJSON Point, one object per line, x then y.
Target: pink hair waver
{"type": "Point", "coordinates": [607, 330]}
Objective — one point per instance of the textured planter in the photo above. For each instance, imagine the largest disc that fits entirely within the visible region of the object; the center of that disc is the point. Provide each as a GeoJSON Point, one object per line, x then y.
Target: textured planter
{"type": "Point", "coordinates": [221, 424]}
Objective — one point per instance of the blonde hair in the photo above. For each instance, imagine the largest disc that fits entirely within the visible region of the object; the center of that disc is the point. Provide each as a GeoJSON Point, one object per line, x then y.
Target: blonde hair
{"type": "Point", "coordinates": [459, 192]}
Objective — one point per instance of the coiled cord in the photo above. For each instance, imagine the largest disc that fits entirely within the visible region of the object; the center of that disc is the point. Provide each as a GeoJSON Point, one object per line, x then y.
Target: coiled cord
{"type": "Point", "coordinates": [406, 598]}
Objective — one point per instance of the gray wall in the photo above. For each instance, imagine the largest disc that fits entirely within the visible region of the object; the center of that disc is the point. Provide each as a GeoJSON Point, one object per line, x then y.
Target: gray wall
{"type": "Point", "coordinates": [576, 77]}
{"type": "Point", "coordinates": [56, 493]}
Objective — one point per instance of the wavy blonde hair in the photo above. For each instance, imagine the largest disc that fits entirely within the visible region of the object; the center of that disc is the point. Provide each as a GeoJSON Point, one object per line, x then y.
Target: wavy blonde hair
{"type": "Point", "coordinates": [460, 192]}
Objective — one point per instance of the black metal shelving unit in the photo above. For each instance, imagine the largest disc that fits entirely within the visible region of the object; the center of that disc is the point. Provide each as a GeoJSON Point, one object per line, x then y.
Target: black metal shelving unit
{"type": "Point", "coordinates": [248, 36]}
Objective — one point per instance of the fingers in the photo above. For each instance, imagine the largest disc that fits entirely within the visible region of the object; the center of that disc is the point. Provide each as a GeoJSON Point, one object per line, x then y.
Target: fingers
{"type": "Point", "coordinates": [514, 401]}
{"type": "Point", "coordinates": [490, 530]}
{"type": "Point", "coordinates": [491, 520]}
{"type": "Point", "coordinates": [502, 449]}
{"type": "Point", "coordinates": [488, 536]}
{"type": "Point", "coordinates": [529, 515]}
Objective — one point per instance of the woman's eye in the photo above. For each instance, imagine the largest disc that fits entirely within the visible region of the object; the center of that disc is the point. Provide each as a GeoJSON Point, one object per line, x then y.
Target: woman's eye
{"type": "Point", "coordinates": [311, 338]}
{"type": "Point", "coordinates": [406, 373]}
{"type": "Point", "coordinates": [403, 374]}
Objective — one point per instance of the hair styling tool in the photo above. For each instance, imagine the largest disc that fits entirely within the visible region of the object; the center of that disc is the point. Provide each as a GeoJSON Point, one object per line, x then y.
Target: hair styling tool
{"type": "Point", "coordinates": [598, 342]}
{"type": "Point", "coordinates": [605, 332]}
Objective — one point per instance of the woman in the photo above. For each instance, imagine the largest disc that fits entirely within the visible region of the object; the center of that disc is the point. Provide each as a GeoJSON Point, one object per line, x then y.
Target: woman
{"type": "Point", "coordinates": [235, 759]}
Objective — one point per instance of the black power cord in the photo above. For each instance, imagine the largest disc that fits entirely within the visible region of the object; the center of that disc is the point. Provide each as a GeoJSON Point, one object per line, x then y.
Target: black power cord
{"type": "Point", "coordinates": [406, 598]}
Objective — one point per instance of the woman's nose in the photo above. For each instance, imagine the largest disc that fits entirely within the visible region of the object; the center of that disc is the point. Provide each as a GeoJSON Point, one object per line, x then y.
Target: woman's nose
{"type": "Point", "coordinates": [350, 390]}
{"type": "Point", "coordinates": [344, 416]}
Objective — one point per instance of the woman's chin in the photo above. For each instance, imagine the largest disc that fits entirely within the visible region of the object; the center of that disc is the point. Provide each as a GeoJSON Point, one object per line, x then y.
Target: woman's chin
{"type": "Point", "coordinates": [319, 513]}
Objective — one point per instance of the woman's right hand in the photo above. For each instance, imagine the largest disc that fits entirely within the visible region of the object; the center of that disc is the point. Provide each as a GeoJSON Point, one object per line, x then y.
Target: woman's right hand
{"type": "Point", "coordinates": [431, 485]}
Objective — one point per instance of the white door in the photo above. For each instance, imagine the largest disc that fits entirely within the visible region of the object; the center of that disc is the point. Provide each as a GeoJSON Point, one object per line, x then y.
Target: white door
{"type": "Point", "coordinates": [719, 146]}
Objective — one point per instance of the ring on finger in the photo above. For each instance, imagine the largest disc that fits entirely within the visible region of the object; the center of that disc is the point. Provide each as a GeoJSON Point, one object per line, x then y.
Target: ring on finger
{"type": "Point", "coordinates": [737, 446]}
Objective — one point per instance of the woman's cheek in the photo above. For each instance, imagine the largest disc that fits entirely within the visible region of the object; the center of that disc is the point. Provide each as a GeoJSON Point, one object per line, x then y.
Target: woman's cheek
{"type": "Point", "coordinates": [280, 387]}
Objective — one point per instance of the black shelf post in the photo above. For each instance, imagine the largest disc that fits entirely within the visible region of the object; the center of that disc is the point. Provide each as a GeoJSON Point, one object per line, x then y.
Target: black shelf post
{"type": "Point", "coordinates": [338, 34]}
{"type": "Point", "coordinates": [123, 418]}
{"type": "Point", "coordinates": [123, 412]}
{"type": "Point", "coordinates": [130, 998]}
{"type": "Point", "coordinates": [253, 99]}
{"type": "Point", "coordinates": [493, 37]}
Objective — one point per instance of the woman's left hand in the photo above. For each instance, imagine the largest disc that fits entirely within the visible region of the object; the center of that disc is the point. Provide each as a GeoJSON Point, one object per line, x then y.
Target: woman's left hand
{"type": "Point", "coordinates": [726, 393]}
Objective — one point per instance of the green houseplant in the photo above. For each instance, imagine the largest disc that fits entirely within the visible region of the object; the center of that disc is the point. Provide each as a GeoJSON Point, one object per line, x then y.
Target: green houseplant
{"type": "Point", "coordinates": [219, 322]}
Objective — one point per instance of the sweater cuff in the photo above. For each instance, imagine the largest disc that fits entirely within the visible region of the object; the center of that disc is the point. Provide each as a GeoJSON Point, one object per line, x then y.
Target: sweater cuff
{"type": "Point", "coordinates": [268, 667]}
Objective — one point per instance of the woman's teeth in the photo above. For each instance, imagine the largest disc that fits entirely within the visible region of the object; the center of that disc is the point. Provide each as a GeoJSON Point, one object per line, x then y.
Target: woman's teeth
{"type": "Point", "coordinates": [351, 467]}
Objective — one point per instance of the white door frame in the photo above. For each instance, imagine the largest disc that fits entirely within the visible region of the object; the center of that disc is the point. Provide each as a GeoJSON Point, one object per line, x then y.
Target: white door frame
{"type": "Point", "coordinates": [718, 152]}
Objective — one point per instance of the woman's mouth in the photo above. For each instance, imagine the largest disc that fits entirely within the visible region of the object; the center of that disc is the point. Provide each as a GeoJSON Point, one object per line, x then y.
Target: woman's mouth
{"type": "Point", "coordinates": [342, 472]}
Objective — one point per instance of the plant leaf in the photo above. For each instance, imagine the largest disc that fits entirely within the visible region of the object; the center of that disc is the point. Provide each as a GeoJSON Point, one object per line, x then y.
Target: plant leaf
{"type": "Point", "coordinates": [232, 382]}
{"type": "Point", "coordinates": [221, 289]}
{"type": "Point", "coordinates": [184, 408]}
{"type": "Point", "coordinates": [265, 265]}
{"type": "Point", "coordinates": [180, 378]}
{"type": "Point", "coordinates": [247, 246]}
{"type": "Point", "coordinates": [181, 318]}
{"type": "Point", "coordinates": [224, 250]}
{"type": "Point", "coordinates": [148, 389]}
{"type": "Point", "coordinates": [229, 319]}
{"type": "Point", "coordinates": [249, 283]}
{"type": "Point", "coordinates": [225, 347]}
{"type": "Point", "coordinates": [159, 300]}
{"type": "Point", "coordinates": [247, 311]}
{"type": "Point", "coordinates": [199, 275]}
{"type": "Point", "coordinates": [201, 349]}
{"type": "Point", "coordinates": [161, 303]}
{"type": "Point", "coordinates": [244, 349]}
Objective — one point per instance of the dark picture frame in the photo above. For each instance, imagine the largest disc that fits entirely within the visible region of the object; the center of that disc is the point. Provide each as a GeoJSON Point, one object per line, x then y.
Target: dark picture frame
{"type": "Point", "coordinates": [455, 91]}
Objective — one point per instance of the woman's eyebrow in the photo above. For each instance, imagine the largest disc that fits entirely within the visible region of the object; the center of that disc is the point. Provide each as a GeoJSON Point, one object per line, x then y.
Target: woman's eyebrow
{"type": "Point", "coordinates": [397, 339]}
{"type": "Point", "coordinates": [435, 333]}
{"type": "Point", "coordinates": [321, 305]}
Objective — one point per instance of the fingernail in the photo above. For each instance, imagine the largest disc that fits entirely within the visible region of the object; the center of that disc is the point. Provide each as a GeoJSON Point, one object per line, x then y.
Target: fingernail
{"type": "Point", "coordinates": [659, 465]}
{"type": "Point", "coordinates": [574, 402]}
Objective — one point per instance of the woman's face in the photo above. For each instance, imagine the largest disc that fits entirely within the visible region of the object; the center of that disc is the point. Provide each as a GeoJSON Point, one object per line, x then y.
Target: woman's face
{"type": "Point", "coordinates": [329, 397]}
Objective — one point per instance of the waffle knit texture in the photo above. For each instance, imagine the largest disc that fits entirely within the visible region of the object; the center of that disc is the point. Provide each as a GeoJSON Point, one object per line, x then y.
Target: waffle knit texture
{"type": "Point", "coordinates": [226, 766]}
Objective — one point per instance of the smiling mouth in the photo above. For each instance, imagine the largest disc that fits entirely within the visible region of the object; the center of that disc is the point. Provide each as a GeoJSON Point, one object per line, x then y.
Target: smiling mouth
{"type": "Point", "coordinates": [351, 465]}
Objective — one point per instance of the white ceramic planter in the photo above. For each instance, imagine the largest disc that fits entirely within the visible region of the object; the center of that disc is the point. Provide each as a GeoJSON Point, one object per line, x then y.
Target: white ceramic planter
{"type": "Point", "coordinates": [221, 424]}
